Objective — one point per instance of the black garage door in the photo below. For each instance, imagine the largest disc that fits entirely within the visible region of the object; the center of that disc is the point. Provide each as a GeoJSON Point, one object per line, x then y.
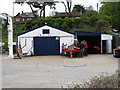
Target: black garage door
{"type": "Point", "coordinates": [91, 41]}
{"type": "Point", "coordinates": [46, 46]}
{"type": "Point", "coordinates": [92, 38]}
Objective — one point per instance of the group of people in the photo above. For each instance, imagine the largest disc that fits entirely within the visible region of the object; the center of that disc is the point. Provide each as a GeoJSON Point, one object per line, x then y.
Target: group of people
{"type": "Point", "coordinates": [82, 45]}
{"type": "Point", "coordinates": [83, 48]}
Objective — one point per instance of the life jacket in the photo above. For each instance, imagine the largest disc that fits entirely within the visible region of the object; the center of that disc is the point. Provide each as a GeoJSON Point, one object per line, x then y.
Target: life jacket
{"type": "Point", "coordinates": [20, 48]}
{"type": "Point", "coordinates": [85, 44]}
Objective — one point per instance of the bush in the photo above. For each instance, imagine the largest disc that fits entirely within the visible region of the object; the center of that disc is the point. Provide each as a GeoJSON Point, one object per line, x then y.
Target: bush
{"type": "Point", "coordinates": [93, 23]}
{"type": "Point", "coordinates": [103, 81]}
{"type": "Point", "coordinates": [102, 26]}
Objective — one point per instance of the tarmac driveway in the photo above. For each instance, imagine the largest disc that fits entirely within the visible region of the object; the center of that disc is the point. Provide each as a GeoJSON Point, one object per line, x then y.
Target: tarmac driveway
{"type": "Point", "coordinates": [49, 72]}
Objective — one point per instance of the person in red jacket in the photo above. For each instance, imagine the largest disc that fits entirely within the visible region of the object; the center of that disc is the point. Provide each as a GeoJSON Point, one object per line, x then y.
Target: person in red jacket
{"type": "Point", "coordinates": [85, 48]}
{"type": "Point", "coordinates": [63, 47]}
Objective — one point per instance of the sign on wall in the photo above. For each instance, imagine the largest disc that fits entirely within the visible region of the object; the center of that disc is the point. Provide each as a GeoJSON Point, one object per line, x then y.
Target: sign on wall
{"type": "Point", "coordinates": [106, 37]}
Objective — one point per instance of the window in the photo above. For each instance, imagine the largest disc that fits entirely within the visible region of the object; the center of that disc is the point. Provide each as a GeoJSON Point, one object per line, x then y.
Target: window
{"type": "Point", "coordinates": [46, 31]}
{"type": "Point", "coordinates": [23, 19]}
{"type": "Point", "coordinates": [77, 17]}
{"type": "Point", "coordinates": [17, 19]}
{"type": "Point", "coordinates": [29, 18]}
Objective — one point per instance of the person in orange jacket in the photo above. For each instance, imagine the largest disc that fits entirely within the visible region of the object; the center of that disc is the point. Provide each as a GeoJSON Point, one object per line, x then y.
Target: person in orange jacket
{"type": "Point", "coordinates": [20, 51]}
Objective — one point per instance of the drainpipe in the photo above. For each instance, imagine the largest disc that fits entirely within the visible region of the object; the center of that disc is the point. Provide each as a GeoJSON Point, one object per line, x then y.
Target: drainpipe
{"type": "Point", "coordinates": [101, 47]}
{"type": "Point", "coordinates": [10, 37]}
{"type": "Point", "coordinates": [25, 44]}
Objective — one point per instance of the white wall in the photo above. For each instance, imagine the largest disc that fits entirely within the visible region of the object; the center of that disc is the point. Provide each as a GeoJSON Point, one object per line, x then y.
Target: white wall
{"type": "Point", "coordinates": [65, 38]}
{"type": "Point", "coordinates": [108, 39]}
{"type": "Point", "coordinates": [109, 46]}
{"type": "Point", "coordinates": [27, 45]}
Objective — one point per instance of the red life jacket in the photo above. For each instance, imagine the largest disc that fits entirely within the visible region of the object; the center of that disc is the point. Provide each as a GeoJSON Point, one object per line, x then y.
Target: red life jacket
{"type": "Point", "coordinates": [84, 43]}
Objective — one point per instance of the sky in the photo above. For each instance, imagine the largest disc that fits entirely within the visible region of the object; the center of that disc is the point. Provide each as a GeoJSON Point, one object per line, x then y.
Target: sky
{"type": "Point", "coordinates": [6, 6]}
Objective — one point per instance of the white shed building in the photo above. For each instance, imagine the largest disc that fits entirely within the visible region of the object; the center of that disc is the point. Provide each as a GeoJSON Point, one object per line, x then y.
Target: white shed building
{"type": "Point", "coordinates": [102, 40]}
{"type": "Point", "coordinates": [44, 40]}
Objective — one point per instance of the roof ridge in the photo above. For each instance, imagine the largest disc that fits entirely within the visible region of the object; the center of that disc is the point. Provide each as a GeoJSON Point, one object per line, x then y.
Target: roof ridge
{"type": "Point", "coordinates": [42, 26]}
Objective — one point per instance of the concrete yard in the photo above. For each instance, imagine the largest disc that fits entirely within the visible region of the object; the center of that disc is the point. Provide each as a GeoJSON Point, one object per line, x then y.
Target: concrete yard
{"type": "Point", "coordinates": [48, 71]}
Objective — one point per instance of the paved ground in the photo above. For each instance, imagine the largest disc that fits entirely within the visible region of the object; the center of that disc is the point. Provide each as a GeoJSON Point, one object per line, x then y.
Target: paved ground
{"type": "Point", "coordinates": [48, 71]}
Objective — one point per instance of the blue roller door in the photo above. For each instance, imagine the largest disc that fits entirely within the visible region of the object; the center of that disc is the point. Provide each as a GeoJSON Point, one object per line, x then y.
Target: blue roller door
{"type": "Point", "coordinates": [46, 46]}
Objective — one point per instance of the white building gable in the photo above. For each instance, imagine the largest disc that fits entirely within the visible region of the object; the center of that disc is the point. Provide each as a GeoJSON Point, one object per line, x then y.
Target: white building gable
{"type": "Point", "coordinates": [39, 32]}
{"type": "Point", "coordinates": [27, 38]}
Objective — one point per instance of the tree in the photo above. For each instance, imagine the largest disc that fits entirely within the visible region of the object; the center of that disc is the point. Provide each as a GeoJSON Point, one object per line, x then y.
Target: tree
{"type": "Point", "coordinates": [69, 5]}
{"type": "Point", "coordinates": [78, 8]}
{"type": "Point", "coordinates": [38, 4]}
{"type": "Point", "coordinates": [102, 26]}
{"type": "Point", "coordinates": [112, 9]}
{"type": "Point", "coordinates": [89, 8]}
{"type": "Point", "coordinates": [89, 13]}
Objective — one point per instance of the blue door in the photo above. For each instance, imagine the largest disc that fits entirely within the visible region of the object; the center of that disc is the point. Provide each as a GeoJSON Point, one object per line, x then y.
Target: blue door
{"type": "Point", "coordinates": [46, 46]}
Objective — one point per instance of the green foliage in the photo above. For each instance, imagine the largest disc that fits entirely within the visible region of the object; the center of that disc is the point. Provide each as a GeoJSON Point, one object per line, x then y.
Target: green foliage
{"type": "Point", "coordinates": [68, 24]}
{"type": "Point", "coordinates": [102, 25]}
{"type": "Point", "coordinates": [78, 8]}
{"type": "Point", "coordinates": [5, 37]}
{"type": "Point", "coordinates": [5, 40]}
{"type": "Point", "coordinates": [0, 28]}
{"type": "Point", "coordinates": [109, 8]}
{"type": "Point", "coordinates": [91, 23]}
{"type": "Point", "coordinates": [89, 13]}
{"type": "Point", "coordinates": [74, 10]}
{"type": "Point", "coordinates": [112, 10]}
